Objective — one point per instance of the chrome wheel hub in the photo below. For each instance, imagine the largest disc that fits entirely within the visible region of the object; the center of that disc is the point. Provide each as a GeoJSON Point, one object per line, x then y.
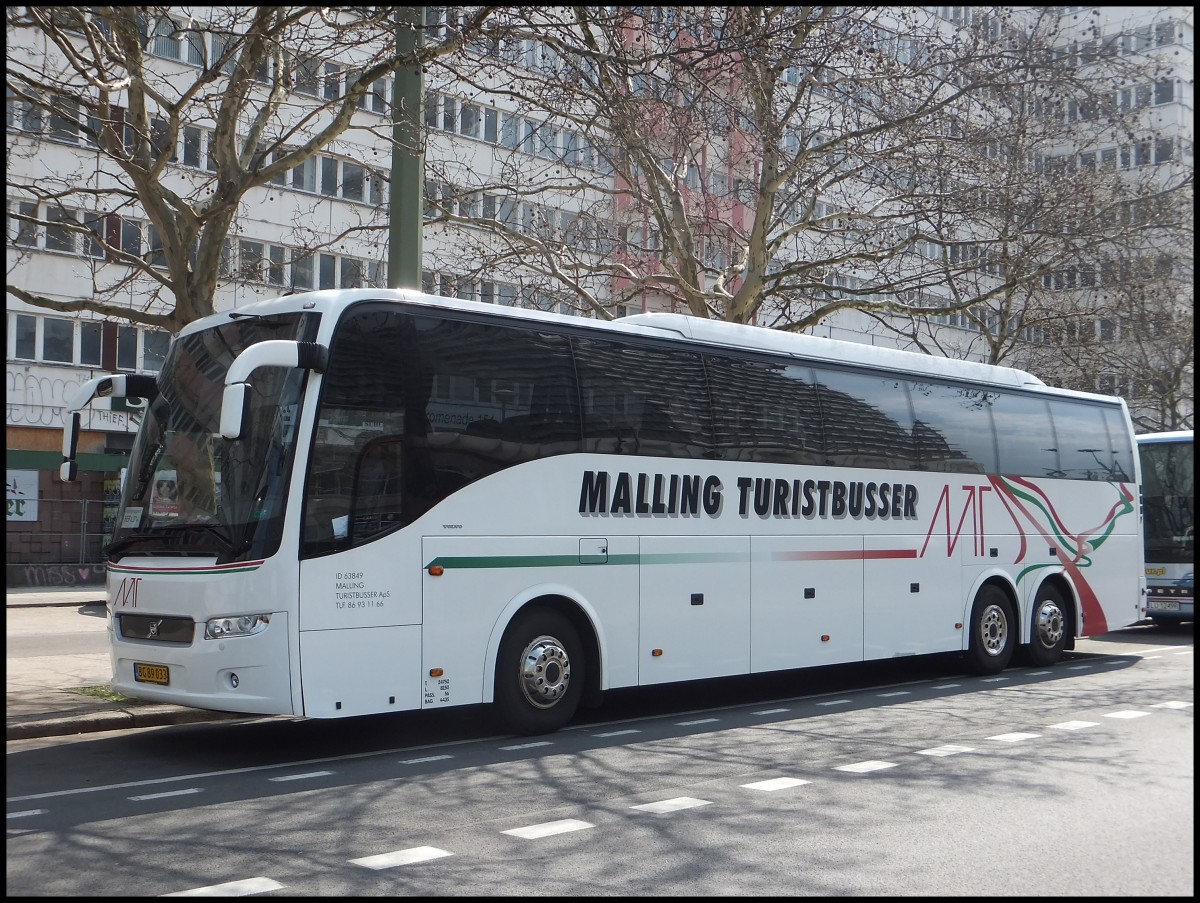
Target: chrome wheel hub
{"type": "Point", "coordinates": [993, 630]}
{"type": "Point", "coordinates": [545, 672]}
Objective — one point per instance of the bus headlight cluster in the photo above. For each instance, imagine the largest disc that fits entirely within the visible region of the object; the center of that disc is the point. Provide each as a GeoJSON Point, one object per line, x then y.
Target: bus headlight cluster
{"type": "Point", "coordinates": [241, 625]}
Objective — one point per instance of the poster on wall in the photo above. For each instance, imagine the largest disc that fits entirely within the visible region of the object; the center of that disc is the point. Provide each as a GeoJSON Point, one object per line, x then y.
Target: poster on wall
{"type": "Point", "coordinates": [21, 495]}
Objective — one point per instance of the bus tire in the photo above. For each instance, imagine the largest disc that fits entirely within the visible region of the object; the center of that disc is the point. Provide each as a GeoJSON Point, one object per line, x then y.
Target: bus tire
{"type": "Point", "coordinates": [1048, 632]}
{"type": "Point", "coordinates": [992, 637]}
{"type": "Point", "coordinates": [539, 673]}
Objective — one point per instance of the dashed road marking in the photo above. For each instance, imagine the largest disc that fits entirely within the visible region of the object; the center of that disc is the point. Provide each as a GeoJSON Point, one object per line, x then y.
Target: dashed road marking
{"type": "Point", "coordinates": [776, 784]}
{"type": "Point", "coordinates": [549, 829]}
{"type": "Point", "coordinates": [671, 805]}
{"type": "Point", "coordinates": [401, 857]}
{"type": "Point", "coordinates": [241, 888]}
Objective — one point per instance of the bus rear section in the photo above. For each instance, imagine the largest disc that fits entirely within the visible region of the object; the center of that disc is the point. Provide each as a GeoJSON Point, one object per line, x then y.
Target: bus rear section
{"type": "Point", "coordinates": [1168, 507]}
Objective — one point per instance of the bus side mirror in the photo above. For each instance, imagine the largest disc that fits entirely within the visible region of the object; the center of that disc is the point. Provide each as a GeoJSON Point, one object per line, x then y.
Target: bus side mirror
{"type": "Point", "coordinates": [273, 353]}
{"type": "Point", "coordinates": [69, 469]}
{"type": "Point", "coordinates": [233, 410]}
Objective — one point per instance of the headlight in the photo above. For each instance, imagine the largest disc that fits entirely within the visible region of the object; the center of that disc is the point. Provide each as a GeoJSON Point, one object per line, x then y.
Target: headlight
{"type": "Point", "coordinates": [239, 625]}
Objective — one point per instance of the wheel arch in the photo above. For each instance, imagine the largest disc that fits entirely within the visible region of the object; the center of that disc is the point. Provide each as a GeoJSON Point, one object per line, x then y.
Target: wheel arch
{"type": "Point", "coordinates": [582, 617]}
{"type": "Point", "coordinates": [1070, 598]}
{"type": "Point", "coordinates": [990, 578]}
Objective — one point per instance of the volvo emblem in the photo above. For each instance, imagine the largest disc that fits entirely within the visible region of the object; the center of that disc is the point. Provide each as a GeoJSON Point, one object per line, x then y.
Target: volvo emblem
{"type": "Point", "coordinates": [154, 629]}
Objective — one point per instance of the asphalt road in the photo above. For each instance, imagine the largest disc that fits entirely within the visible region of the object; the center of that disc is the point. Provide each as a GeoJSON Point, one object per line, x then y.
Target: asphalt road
{"type": "Point", "coordinates": [897, 780]}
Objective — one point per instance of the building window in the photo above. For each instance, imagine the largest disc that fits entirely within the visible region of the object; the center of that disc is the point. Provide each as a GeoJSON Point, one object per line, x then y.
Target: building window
{"type": "Point", "coordinates": [302, 271]}
{"type": "Point", "coordinates": [59, 236]}
{"type": "Point", "coordinates": [328, 271]}
{"type": "Point", "coordinates": [154, 349]}
{"type": "Point", "coordinates": [329, 173]}
{"type": "Point", "coordinates": [91, 343]}
{"type": "Point", "coordinates": [127, 347]}
{"type": "Point", "coordinates": [58, 340]}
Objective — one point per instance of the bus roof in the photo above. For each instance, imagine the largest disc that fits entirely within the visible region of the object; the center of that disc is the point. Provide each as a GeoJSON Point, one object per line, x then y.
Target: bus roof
{"type": "Point", "coordinates": [1170, 436]}
{"type": "Point", "coordinates": [692, 329]}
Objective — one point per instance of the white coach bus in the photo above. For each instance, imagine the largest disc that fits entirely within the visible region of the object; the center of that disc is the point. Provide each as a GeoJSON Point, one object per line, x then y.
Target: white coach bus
{"type": "Point", "coordinates": [352, 502]}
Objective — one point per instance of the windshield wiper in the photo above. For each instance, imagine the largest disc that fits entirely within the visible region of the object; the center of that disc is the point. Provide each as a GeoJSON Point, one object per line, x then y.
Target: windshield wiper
{"type": "Point", "coordinates": [181, 539]}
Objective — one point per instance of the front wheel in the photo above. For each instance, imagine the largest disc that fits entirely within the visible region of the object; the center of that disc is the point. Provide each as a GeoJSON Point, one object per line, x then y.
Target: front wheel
{"type": "Point", "coordinates": [992, 637]}
{"type": "Point", "coordinates": [1048, 633]}
{"type": "Point", "coordinates": [539, 673]}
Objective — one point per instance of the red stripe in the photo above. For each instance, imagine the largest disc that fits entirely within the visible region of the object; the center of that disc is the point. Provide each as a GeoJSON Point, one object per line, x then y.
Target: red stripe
{"type": "Point", "coordinates": [847, 555]}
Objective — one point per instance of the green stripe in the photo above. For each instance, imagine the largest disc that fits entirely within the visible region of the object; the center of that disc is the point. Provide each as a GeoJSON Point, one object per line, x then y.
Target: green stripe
{"type": "Point", "coordinates": [549, 561]}
{"type": "Point", "coordinates": [22, 459]}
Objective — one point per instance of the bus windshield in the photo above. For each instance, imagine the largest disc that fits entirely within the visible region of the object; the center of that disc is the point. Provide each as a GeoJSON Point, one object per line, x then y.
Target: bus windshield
{"type": "Point", "coordinates": [1168, 497]}
{"type": "Point", "coordinates": [188, 491]}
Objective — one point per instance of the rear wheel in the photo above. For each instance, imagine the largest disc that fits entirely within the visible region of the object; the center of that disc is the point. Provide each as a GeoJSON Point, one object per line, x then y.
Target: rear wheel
{"type": "Point", "coordinates": [992, 638]}
{"type": "Point", "coordinates": [539, 673]}
{"type": "Point", "coordinates": [1048, 632]}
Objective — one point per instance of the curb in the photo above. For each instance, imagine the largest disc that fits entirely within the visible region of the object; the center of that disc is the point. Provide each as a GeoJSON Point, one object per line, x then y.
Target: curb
{"type": "Point", "coordinates": [122, 719]}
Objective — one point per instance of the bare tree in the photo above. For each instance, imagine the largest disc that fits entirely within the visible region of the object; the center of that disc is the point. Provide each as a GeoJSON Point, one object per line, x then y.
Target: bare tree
{"type": "Point", "coordinates": [271, 87]}
{"type": "Point", "coordinates": [781, 164]}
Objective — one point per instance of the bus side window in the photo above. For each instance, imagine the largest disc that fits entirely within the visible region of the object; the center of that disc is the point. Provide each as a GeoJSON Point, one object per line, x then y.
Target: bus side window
{"type": "Point", "coordinates": [378, 489]}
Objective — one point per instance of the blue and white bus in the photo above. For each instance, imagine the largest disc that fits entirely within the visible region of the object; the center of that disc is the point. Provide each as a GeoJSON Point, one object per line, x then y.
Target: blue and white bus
{"type": "Point", "coordinates": [351, 502]}
{"type": "Point", "coordinates": [1168, 508]}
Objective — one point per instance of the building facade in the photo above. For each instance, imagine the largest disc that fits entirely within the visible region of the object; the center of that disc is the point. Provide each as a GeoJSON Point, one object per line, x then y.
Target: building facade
{"type": "Point", "coordinates": [497, 169]}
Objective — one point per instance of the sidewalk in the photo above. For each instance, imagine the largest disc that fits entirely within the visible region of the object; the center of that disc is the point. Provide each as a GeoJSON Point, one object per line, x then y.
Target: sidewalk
{"type": "Point", "coordinates": [38, 692]}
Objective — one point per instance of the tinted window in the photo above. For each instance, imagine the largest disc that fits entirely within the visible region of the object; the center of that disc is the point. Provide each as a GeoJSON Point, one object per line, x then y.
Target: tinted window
{"type": "Point", "coordinates": [764, 411]}
{"type": "Point", "coordinates": [1027, 444]}
{"type": "Point", "coordinates": [1084, 450]}
{"type": "Point", "coordinates": [1121, 444]}
{"type": "Point", "coordinates": [415, 407]}
{"type": "Point", "coordinates": [868, 420]}
{"type": "Point", "coordinates": [953, 428]}
{"type": "Point", "coordinates": [642, 400]}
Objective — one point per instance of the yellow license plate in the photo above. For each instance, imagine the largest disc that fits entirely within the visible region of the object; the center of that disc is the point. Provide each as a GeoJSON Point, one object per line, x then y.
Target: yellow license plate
{"type": "Point", "coordinates": [151, 674]}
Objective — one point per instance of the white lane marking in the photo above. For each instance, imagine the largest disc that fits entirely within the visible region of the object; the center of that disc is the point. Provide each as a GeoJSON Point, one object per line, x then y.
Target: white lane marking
{"type": "Point", "coordinates": [1073, 725]}
{"type": "Point", "coordinates": [1015, 737]}
{"type": "Point", "coordinates": [835, 702]}
{"type": "Point", "coordinates": [775, 784]}
{"type": "Point", "coordinates": [1037, 673]}
{"type": "Point", "coordinates": [75, 791]}
{"type": "Point", "coordinates": [1079, 667]}
{"type": "Point", "coordinates": [947, 686]}
{"type": "Point", "coordinates": [1173, 704]}
{"type": "Point", "coordinates": [894, 693]}
{"type": "Point", "coordinates": [27, 813]}
{"type": "Point", "coordinates": [864, 767]}
{"type": "Point", "coordinates": [697, 721]}
{"type": "Point", "coordinates": [772, 711]}
{"type": "Point", "coordinates": [1128, 713]}
{"type": "Point", "coordinates": [672, 805]}
{"type": "Point", "coordinates": [527, 745]}
{"type": "Point", "coordinates": [992, 680]}
{"type": "Point", "coordinates": [302, 777]}
{"type": "Point", "coordinates": [231, 889]}
{"type": "Point", "coordinates": [948, 750]}
{"type": "Point", "coordinates": [549, 829]}
{"type": "Point", "coordinates": [1183, 652]}
{"type": "Point", "coordinates": [424, 759]}
{"type": "Point", "coordinates": [629, 730]}
{"type": "Point", "coordinates": [400, 857]}
{"type": "Point", "coordinates": [159, 796]}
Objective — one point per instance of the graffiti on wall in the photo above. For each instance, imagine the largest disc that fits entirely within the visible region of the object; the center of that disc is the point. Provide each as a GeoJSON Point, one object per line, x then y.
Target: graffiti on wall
{"type": "Point", "coordinates": [53, 575]}
{"type": "Point", "coordinates": [39, 399]}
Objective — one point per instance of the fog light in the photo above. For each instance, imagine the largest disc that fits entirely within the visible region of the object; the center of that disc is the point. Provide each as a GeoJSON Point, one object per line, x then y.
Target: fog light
{"type": "Point", "coordinates": [233, 681]}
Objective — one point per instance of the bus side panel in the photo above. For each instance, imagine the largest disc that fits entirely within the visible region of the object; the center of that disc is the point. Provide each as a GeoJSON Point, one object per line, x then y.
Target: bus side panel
{"type": "Point", "coordinates": [360, 671]}
{"type": "Point", "coordinates": [486, 579]}
{"type": "Point", "coordinates": [695, 607]}
{"type": "Point", "coordinates": [806, 601]}
{"type": "Point", "coordinates": [913, 603]}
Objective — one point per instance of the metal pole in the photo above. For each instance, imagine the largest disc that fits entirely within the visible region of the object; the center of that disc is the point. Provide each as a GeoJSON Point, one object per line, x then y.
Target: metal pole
{"type": "Point", "coordinates": [408, 157]}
